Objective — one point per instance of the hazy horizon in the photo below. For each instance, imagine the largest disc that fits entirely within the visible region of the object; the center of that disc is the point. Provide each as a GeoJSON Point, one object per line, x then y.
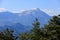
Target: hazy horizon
{"type": "Point", "coordinates": [51, 7]}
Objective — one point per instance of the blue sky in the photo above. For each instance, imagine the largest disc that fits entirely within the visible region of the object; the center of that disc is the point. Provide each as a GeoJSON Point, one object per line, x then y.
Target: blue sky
{"type": "Point", "coordinates": [51, 7]}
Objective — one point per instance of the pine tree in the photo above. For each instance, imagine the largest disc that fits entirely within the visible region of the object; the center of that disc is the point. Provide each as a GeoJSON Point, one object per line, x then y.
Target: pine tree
{"type": "Point", "coordinates": [34, 33]}
{"type": "Point", "coordinates": [36, 30]}
{"type": "Point", "coordinates": [53, 28]}
{"type": "Point", "coordinates": [7, 35]}
{"type": "Point", "coordinates": [1, 35]}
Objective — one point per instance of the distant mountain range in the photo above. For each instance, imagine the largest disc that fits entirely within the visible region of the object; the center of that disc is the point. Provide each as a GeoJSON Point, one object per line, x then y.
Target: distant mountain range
{"type": "Point", "coordinates": [25, 18]}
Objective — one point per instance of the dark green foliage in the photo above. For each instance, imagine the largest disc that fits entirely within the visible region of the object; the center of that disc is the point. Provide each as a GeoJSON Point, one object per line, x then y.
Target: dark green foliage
{"type": "Point", "coordinates": [36, 30]}
{"type": "Point", "coordinates": [53, 28]}
{"type": "Point", "coordinates": [34, 33]}
{"type": "Point", "coordinates": [50, 31]}
{"type": "Point", "coordinates": [7, 35]}
{"type": "Point", "coordinates": [55, 20]}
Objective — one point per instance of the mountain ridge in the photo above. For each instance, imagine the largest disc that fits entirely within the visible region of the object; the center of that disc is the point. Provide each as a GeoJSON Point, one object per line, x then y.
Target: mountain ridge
{"type": "Point", "coordinates": [25, 18]}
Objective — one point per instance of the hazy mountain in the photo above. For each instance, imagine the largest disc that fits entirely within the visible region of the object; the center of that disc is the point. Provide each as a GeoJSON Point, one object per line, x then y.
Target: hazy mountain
{"type": "Point", "coordinates": [25, 18]}
{"type": "Point", "coordinates": [28, 17]}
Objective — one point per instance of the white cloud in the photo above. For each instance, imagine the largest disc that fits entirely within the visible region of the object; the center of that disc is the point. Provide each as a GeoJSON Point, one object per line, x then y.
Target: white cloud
{"type": "Point", "coordinates": [2, 9]}
{"type": "Point", "coordinates": [52, 12]}
{"type": "Point", "coordinates": [18, 11]}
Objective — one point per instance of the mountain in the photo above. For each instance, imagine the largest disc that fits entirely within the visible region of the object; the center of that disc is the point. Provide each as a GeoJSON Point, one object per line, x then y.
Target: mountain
{"type": "Point", "coordinates": [25, 18]}
{"type": "Point", "coordinates": [28, 17]}
{"type": "Point", "coordinates": [18, 28]}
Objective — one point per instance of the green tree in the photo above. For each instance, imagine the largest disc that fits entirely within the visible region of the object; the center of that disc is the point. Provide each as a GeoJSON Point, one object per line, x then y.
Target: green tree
{"type": "Point", "coordinates": [55, 20]}
{"type": "Point", "coordinates": [7, 35]}
{"type": "Point", "coordinates": [34, 33]}
{"type": "Point", "coordinates": [1, 35]}
{"type": "Point", "coordinates": [53, 28]}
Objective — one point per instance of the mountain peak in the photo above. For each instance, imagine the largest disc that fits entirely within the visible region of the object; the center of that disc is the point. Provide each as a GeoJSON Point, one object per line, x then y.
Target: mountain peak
{"type": "Point", "coordinates": [35, 9]}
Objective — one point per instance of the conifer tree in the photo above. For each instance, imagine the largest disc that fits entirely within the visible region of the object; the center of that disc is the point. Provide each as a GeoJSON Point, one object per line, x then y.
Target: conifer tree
{"type": "Point", "coordinates": [34, 33]}
{"type": "Point", "coordinates": [7, 35]}
{"type": "Point", "coordinates": [53, 28]}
